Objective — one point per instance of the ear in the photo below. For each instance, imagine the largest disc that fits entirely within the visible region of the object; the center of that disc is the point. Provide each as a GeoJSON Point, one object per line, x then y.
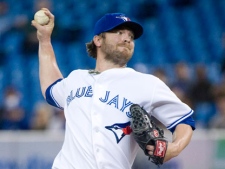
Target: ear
{"type": "Point", "coordinates": [97, 40]}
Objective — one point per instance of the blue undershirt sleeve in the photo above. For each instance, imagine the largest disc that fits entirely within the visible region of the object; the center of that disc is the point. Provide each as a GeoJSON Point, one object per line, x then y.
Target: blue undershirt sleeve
{"type": "Point", "coordinates": [49, 97]}
{"type": "Point", "coordinates": [189, 121]}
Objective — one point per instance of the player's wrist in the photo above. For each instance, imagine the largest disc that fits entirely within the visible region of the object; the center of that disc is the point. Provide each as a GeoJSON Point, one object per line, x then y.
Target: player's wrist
{"type": "Point", "coordinates": [44, 41]}
{"type": "Point", "coordinates": [172, 151]}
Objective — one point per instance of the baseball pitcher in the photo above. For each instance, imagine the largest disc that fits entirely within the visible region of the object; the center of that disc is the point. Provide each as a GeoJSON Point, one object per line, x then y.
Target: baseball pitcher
{"type": "Point", "coordinates": [108, 109]}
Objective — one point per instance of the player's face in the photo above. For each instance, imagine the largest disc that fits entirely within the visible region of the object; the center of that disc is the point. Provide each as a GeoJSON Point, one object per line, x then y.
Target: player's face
{"type": "Point", "coordinates": [118, 46]}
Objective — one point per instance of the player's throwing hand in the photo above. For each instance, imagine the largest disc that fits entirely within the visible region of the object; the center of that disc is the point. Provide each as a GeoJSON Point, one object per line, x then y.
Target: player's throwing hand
{"type": "Point", "coordinates": [44, 31]}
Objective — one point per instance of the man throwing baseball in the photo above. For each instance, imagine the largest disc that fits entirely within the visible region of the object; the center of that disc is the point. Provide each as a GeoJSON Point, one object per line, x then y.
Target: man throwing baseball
{"type": "Point", "coordinates": [97, 102]}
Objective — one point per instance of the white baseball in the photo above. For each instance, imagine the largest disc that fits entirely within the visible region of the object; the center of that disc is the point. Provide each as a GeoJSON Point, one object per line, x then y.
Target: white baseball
{"type": "Point", "coordinates": [41, 17]}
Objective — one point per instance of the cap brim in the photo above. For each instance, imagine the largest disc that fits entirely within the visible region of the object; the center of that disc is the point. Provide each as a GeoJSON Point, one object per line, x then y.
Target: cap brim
{"type": "Point", "coordinates": [135, 27]}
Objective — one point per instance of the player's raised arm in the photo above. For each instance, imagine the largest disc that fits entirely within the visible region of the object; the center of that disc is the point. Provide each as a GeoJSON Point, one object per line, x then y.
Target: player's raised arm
{"type": "Point", "coordinates": [48, 68]}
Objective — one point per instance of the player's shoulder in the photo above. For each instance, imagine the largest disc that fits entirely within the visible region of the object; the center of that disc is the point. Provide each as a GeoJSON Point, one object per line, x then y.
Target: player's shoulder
{"type": "Point", "coordinates": [142, 74]}
{"type": "Point", "coordinates": [146, 78]}
{"type": "Point", "coordinates": [78, 72]}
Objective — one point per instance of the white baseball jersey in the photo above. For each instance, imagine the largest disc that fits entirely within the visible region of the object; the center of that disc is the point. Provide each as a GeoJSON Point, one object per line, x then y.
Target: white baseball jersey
{"type": "Point", "coordinates": [96, 107]}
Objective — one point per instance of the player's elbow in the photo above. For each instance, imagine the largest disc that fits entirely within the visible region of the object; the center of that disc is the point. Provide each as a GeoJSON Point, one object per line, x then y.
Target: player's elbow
{"type": "Point", "coordinates": [43, 91]}
{"type": "Point", "coordinates": [43, 94]}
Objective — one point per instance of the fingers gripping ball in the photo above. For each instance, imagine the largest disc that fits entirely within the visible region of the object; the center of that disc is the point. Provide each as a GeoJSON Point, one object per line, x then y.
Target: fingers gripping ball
{"type": "Point", "coordinates": [146, 132]}
{"type": "Point", "coordinates": [41, 18]}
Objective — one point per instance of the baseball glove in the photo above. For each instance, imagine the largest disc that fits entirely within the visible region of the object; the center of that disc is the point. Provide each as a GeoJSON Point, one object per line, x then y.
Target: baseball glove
{"type": "Point", "coordinates": [146, 132]}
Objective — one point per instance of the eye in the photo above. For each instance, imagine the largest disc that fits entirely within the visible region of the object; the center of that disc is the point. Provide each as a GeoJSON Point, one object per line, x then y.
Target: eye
{"type": "Point", "coordinates": [132, 37]}
{"type": "Point", "coordinates": [119, 32]}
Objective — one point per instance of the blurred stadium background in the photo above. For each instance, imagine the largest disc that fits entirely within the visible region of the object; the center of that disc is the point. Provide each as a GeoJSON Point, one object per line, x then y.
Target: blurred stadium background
{"type": "Point", "coordinates": [183, 44]}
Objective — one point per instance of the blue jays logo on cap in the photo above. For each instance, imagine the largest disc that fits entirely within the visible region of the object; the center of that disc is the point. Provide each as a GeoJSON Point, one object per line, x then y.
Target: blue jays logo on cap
{"type": "Point", "coordinates": [112, 20]}
{"type": "Point", "coordinates": [124, 18]}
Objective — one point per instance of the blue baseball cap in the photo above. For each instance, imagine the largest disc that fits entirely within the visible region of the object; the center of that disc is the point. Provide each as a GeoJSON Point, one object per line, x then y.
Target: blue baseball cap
{"type": "Point", "coordinates": [112, 20]}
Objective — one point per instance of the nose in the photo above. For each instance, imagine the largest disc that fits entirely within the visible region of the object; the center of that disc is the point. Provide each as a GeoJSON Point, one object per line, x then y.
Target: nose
{"type": "Point", "coordinates": [127, 38]}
